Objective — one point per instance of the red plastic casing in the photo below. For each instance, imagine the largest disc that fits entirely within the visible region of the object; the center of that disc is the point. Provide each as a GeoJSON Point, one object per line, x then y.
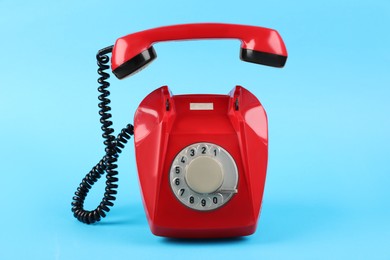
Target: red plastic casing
{"type": "Point", "coordinates": [252, 38]}
{"type": "Point", "coordinates": [161, 133]}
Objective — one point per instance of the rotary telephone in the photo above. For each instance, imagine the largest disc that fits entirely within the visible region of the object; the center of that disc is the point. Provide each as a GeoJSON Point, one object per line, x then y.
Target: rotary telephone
{"type": "Point", "coordinates": [201, 159]}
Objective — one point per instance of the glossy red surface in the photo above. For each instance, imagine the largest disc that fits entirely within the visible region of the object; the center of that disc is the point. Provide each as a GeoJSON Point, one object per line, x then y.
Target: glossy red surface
{"type": "Point", "coordinates": [160, 134]}
{"type": "Point", "coordinates": [252, 38]}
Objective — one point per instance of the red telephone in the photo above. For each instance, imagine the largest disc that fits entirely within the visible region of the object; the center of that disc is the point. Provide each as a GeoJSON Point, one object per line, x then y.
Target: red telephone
{"type": "Point", "coordinates": [201, 159]}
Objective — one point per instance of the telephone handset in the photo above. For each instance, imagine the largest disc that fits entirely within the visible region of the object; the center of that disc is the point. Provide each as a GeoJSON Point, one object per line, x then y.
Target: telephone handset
{"type": "Point", "coordinates": [259, 45]}
{"type": "Point", "coordinates": [201, 159]}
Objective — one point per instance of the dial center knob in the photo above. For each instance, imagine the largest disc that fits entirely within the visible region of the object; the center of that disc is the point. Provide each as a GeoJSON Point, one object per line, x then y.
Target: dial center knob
{"type": "Point", "coordinates": [204, 175]}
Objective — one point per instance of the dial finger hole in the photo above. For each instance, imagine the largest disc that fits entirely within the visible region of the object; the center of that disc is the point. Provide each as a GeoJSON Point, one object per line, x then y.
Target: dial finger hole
{"type": "Point", "coordinates": [183, 159]}
{"type": "Point", "coordinates": [177, 170]}
{"type": "Point", "coordinates": [177, 182]}
{"type": "Point", "coordinates": [203, 149]}
{"type": "Point", "coordinates": [192, 152]}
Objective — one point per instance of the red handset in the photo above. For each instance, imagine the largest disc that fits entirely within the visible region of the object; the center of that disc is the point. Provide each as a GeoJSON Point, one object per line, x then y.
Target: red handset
{"type": "Point", "coordinates": [259, 45]}
{"type": "Point", "coordinates": [201, 159]}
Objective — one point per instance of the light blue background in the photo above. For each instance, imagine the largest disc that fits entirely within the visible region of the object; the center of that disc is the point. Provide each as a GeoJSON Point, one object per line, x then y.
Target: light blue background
{"type": "Point", "coordinates": [327, 192]}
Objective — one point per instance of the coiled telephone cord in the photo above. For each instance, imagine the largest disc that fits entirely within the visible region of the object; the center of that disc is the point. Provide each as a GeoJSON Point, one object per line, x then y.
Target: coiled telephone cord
{"type": "Point", "coordinates": [113, 147]}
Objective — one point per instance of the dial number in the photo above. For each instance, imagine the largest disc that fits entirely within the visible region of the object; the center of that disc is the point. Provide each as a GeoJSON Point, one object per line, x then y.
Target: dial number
{"type": "Point", "coordinates": [183, 159]}
{"type": "Point", "coordinates": [177, 181]}
{"type": "Point", "coordinates": [177, 170]}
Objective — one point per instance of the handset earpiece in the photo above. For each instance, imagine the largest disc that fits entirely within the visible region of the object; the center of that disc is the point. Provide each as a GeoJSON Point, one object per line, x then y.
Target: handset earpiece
{"type": "Point", "coordinates": [263, 58]}
{"type": "Point", "coordinates": [135, 64]}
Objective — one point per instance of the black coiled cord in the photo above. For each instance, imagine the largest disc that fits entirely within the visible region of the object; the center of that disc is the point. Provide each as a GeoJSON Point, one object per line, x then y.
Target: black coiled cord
{"type": "Point", "coordinates": [113, 148]}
